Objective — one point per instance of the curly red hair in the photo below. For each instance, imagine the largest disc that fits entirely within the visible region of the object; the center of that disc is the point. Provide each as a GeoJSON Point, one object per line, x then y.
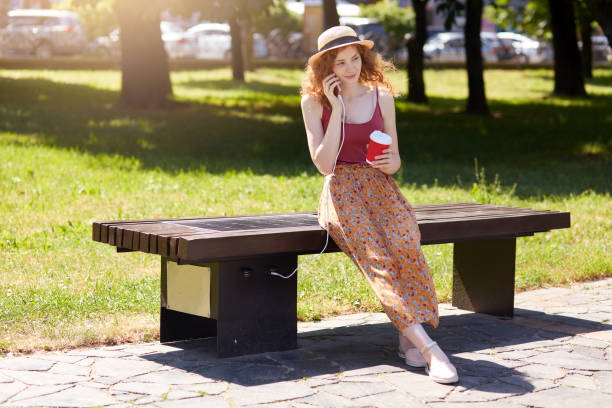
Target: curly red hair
{"type": "Point", "coordinates": [372, 68]}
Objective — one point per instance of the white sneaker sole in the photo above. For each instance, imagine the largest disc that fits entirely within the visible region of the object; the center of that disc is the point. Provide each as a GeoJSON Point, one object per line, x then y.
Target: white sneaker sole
{"type": "Point", "coordinates": [439, 380]}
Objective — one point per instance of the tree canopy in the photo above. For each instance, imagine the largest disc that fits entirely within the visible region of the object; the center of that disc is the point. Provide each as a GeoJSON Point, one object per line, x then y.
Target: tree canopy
{"type": "Point", "coordinates": [396, 20]}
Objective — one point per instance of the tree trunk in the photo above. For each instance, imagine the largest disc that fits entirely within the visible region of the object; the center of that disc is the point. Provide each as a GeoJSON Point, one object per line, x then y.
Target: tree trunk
{"type": "Point", "coordinates": [5, 6]}
{"type": "Point", "coordinates": [477, 100]}
{"type": "Point", "coordinates": [416, 84]}
{"type": "Point", "coordinates": [569, 80]}
{"type": "Point", "coordinates": [601, 10]}
{"type": "Point", "coordinates": [330, 14]}
{"type": "Point", "coordinates": [145, 79]}
{"type": "Point", "coordinates": [247, 35]}
{"type": "Point", "coordinates": [237, 56]}
{"type": "Point", "coordinates": [587, 47]}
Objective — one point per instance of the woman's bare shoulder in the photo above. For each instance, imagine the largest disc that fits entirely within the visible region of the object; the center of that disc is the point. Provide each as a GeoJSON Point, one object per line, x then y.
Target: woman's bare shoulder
{"type": "Point", "coordinates": [311, 104]}
{"type": "Point", "coordinates": [385, 94]}
{"type": "Point", "coordinates": [386, 98]}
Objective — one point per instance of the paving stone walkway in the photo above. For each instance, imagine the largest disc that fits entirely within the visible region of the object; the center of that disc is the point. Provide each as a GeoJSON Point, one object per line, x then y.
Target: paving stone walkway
{"type": "Point", "coordinates": [556, 352]}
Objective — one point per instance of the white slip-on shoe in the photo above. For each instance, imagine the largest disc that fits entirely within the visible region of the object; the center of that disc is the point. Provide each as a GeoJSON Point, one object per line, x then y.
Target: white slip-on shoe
{"type": "Point", "coordinates": [442, 380]}
{"type": "Point", "coordinates": [418, 363]}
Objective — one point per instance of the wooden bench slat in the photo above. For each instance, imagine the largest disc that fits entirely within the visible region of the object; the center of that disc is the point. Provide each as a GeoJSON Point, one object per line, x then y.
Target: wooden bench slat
{"type": "Point", "coordinates": [112, 235]}
{"type": "Point", "coordinates": [471, 214]}
{"type": "Point", "coordinates": [100, 228]}
{"type": "Point", "coordinates": [143, 245]}
{"type": "Point", "coordinates": [207, 233]}
{"type": "Point", "coordinates": [132, 240]}
{"type": "Point", "coordinates": [443, 222]}
{"type": "Point", "coordinates": [96, 231]}
{"type": "Point", "coordinates": [298, 239]}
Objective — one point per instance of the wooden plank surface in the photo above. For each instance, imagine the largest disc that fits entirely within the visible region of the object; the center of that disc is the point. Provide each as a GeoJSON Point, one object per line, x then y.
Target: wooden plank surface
{"type": "Point", "coordinates": [446, 222]}
{"type": "Point", "coordinates": [245, 243]}
{"type": "Point", "coordinates": [100, 228]}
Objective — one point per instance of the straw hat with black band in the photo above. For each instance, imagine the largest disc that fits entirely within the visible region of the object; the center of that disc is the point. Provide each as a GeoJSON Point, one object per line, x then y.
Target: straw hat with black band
{"type": "Point", "coordinates": [336, 37]}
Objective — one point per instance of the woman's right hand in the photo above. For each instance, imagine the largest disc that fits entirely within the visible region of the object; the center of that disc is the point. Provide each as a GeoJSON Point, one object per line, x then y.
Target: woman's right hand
{"type": "Point", "coordinates": [330, 82]}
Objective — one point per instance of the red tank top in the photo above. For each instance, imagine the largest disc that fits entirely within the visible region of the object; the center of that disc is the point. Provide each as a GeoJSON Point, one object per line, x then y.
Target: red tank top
{"type": "Point", "coordinates": [357, 135]}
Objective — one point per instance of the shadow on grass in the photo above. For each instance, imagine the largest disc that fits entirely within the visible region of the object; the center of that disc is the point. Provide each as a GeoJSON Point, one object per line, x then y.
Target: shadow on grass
{"type": "Point", "coordinates": [252, 85]}
{"type": "Point", "coordinates": [372, 349]}
{"type": "Point", "coordinates": [529, 144]}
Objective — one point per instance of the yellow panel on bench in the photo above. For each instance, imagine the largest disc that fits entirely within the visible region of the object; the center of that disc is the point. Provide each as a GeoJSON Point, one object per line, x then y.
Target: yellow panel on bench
{"type": "Point", "coordinates": [188, 289]}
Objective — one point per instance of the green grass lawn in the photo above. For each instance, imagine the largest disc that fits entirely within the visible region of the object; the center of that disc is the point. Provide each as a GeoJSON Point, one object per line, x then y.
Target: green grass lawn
{"type": "Point", "coordinates": [68, 157]}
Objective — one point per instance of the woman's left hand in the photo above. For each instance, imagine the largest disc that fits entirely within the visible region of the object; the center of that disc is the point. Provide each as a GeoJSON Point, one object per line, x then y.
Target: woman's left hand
{"type": "Point", "coordinates": [387, 162]}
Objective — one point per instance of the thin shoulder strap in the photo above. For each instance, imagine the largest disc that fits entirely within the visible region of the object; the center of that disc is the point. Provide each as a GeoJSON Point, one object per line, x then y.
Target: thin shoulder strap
{"type": "Point", "coordinates": [376, 104]}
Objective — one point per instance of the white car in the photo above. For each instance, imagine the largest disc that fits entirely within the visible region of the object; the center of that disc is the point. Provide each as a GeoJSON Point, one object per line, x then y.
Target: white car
{"type": "Point", "coordinates": [43, 33]}
{"type": "Point", "coordinates": [214, 41]}
{"type": "Point", "coordinates": [527, 49]}
{"type": "Point", "coordinates": [177, 42]}
{"type": "Point", "coordinates": [450, 47]}
{"type": "Point", "coordinates": [601, 48]}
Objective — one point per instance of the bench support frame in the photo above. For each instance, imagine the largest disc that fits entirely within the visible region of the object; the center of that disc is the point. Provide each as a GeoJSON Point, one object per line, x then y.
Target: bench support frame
{"type": "Point", "coordinates": [253, 312]}
{"type": "Point", "coordinates": [483, 276]}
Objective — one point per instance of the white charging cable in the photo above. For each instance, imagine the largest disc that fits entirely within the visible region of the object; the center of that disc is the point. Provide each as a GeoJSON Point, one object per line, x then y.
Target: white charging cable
{"type": "Point", "coordinates": [326, 199]}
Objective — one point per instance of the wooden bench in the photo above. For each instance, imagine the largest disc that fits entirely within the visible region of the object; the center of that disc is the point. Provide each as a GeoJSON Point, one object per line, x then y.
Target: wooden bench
{"type": "Point", "coordinates": [215, 271]}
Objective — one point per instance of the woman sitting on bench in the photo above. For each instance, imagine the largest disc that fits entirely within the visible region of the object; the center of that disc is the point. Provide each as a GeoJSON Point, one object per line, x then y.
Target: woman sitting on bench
{"type": "Point", "coordinates": [361, 207]}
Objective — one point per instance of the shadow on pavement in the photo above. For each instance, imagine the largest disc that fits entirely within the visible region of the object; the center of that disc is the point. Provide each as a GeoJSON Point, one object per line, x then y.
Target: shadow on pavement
{"type": "Point", "coordinates": [370, 349]}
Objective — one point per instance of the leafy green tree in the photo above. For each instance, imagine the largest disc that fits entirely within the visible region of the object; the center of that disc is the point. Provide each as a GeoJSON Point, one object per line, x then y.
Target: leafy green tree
{"type": "Point", "coordinates": [529, 17]}
{"type": "Point", "coordinates": [145, 79]}
{"type": "Point", "coordinates": [99, 16]}
{"type": "Point", "coordinates": [277, 16]}
{"type": "Point", "coordinates": [601, 10]}
{"type": "Point", "coordinates": [533, 18]}
{"type": "Point", "coordinates": [330, 14]}
{"type": "Point", "coordinates": [555, 20]}
{"type": "Point", "coordinates": [238, 13]}
{"type": "Point", "coordinates": [4, 8]}
{"type": "Point", "coordinates": [585, 22]}
{"type": "Point", "coordinates": [396, 20]}
{"type": "Point", "coordinates": [569, 75]}
{"type": "Point", "coordinates": [416, 83]}
{"type": "Point", "coordinates": [477, 100]}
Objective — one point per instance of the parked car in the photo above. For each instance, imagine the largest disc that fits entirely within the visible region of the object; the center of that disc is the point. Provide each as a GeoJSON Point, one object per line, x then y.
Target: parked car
{"type": "Point", "coordinates": [260, 46]}
{"type": "Point", "coordinates": [178, 42]}
{"type": "Point", "coordinates": [107, 45]}
{"type": "Point", "coordinates": [527, 49]}
{"type": "Point", "coordinates": [450, 47]}
{"type": "Point", "coordinates": [370, 29]}
{"type": "Point", "coordinates": [282, 45]}
{"type": "Point", "coordinates": [44, 33]}
{"type": "Point", "coordinates": [214, 41]}
{"type": "Point", "coordinates": [600, 48]}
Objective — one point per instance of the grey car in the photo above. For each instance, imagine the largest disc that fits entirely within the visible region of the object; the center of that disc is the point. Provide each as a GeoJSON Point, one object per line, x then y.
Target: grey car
{"type": "Point", "coordinates": [44, 33]}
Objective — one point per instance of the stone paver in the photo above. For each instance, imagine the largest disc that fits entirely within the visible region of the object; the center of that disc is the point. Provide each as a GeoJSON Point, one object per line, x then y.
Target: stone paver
{"type": "Point", "coordinates": [77, 396]}
{"type": "Point", "coordinates": [25, 364]}
{"type": "Point", "coordinates": [556, 352]}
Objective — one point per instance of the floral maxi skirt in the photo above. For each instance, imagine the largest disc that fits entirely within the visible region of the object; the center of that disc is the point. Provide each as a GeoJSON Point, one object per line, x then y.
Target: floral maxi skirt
{"type": "Point", "coordinates": [373, 223]}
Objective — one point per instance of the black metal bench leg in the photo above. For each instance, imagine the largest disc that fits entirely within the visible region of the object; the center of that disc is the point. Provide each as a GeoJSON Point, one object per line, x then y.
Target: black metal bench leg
{"type": "Point", "coordinates": [257, 312]}
{"type": "Point", "coordinates": [483, 276]}
{"type": "Point", "coordinates": [250, 310]}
